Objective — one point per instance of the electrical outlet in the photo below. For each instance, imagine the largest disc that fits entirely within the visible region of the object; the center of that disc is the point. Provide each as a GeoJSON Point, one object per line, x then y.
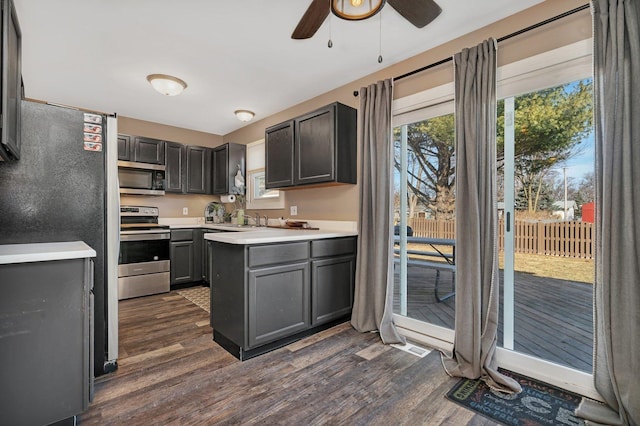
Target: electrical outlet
{"type": "Point", "coordinates": [293, 210]}
{"type": "Point", "coordinates": [185, 211]}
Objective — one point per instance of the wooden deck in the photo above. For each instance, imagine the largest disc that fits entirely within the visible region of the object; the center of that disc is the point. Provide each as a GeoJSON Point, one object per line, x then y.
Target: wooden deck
{"type": "Point", "coordinates": [172, 373]}
{"type": "Point", "coordinates": [553, 320]}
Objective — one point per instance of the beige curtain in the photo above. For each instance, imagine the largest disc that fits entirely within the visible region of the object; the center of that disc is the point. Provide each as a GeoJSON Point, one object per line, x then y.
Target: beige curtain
{"type": "Point", "coordinates": [373, 299]}
{"type": "Point", "coordinates": [476, 321]}
{"type": "Point", "coordinates": [616, 55]}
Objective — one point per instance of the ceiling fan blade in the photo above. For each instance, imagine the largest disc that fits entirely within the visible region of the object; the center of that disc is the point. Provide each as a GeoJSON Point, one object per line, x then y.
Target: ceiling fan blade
{"type": "Point", "coordinates": [311, 20]}
{"type": "Point", "coordinates": [418, 12]}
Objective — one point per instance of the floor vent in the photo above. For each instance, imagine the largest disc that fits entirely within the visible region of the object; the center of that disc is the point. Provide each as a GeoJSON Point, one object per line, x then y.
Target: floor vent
{"type": "Point", "coordinates": [413, 349]}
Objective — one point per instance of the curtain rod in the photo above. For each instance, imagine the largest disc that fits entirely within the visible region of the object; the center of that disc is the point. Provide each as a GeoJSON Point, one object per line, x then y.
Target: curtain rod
{"type": "Point", "coordinates": [507, 37]}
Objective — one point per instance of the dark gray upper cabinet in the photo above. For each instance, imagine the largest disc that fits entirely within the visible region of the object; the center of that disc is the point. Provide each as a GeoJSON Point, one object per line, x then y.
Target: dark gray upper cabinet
{"type": "Point", "coordinates": [278, 142]}
{"type": "Point", "coordinates": [227, 160]}
{"type": "Point", "coordinates": [11, 88]}
{"type": "Point", "coordinates": [198, 170]}
{"type": "Point", "coordinates": [147, 150]}
{"type": "Point", "coordinates": [323, 148]}
{"type": "Point", "coordinates": [124, 147]}
{"type": "Point", "coordinates": [175, 157]}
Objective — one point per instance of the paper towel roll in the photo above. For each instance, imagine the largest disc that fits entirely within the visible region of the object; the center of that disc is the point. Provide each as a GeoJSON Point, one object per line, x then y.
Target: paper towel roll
{"type": "Point", "coordinates": [228, 198]}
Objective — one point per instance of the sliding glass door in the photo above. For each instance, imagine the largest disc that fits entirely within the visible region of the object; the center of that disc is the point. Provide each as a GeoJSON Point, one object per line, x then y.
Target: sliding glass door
{"type": "Point", "coordinates": [424, 212]}
{"type": "Point", "coordinates": [545, 145]}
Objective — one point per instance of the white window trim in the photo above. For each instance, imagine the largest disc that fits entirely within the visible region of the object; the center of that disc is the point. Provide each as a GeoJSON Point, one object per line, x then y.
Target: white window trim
{"type": "Point", "coordinates": [256, 149]}
{"type": "Point", "coordinates": [548, 69]}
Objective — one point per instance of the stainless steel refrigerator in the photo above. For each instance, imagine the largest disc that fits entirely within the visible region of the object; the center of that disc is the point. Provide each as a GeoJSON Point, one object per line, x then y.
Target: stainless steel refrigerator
{"type": "Point", "coordinates": [64, 188]}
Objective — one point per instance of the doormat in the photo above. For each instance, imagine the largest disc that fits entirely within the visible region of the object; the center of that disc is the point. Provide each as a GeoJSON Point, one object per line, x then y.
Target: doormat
{"type": "Point", "coordinates": [537, 404]}
{"type": "Point", "coordinates": [197, 295]}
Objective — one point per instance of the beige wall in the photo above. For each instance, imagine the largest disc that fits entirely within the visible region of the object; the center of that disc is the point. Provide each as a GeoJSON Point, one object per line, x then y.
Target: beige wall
{"type": "Point", "coordinates": [341, 202]}
{"type": "Point", "coordinates": [171, 205]}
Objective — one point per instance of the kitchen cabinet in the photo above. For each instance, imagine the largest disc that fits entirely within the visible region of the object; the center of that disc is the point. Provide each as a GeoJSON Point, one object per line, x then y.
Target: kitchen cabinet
{"type": "Point", "coordinates": [124, 147]}
{"type": "Point", "coordinates": [182, 253]}
{"type": "Point", "coordinates": [147, 150]}
{"type": "Point", "coordinates": [140, 149]}
{"type": "Point", "coordinates": [264, 296]}
{"type": "Point", "coordinates": [198, 170]}
{"type": "Point", "coordinates": [227, 160]}
{"type": "Point", "coordinates": [278, 142]}
{"type": "Point", "coordinates": [175, 157]}
{"type": "Point", "coordinates": [323, 148]}
{"type": "Point", "coordinates": [278, 302]}
{"type": "Point", "coordinates": [47, 338]}
{"type": "Point", "coordinates": [333, 264]}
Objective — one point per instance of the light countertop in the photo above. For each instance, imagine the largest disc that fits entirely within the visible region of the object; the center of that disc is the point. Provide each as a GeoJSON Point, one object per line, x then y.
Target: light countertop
{"type": "Point", "coordinates": [272, 235]}
{"type": "Point", "coordinates": [40, 252]}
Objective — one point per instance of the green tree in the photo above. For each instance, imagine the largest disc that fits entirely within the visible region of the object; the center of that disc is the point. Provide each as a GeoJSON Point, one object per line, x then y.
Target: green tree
{"type": "Point", "coordinates": [548, 128]}
{"type": "Point", "coordinates": [431, 169]}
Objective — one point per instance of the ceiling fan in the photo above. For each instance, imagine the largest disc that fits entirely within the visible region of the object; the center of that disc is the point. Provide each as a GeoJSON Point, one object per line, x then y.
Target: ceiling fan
{"type": "Point", "coordinates": [418, 12]}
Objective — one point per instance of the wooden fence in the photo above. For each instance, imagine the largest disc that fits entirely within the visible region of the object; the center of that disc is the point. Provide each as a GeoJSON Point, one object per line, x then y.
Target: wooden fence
{"type": "Point", "coordinates": [566, 238]}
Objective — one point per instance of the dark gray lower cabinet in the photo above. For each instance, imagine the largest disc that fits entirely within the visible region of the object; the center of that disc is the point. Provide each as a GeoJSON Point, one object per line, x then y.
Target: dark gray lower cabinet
{"type": "Point", "coordinates": [46, 346]}
{"type": "Point", "coordinates": [278, 302]}
{"type": "Point", "coordinates": [182, 256]}
{"type": "Point", "coordinates": [332, 290]}
{"type": "Point", "coordinates": [264, 296]}
{"type": "Point", "coordinates": [186, 256]}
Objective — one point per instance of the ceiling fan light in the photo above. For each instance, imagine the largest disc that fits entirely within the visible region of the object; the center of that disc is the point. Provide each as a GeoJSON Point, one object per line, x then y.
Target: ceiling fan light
{"type": "Point", "coordinates": [168, 85]}
{"type": "Point", "coordinates": [244, 115]}
{"type": "Point", "coordinates": [356, 10]}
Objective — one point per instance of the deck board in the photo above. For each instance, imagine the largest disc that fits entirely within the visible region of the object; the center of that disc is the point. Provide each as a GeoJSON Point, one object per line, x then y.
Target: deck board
{"type": "Point", "coordinates": [553, 319]}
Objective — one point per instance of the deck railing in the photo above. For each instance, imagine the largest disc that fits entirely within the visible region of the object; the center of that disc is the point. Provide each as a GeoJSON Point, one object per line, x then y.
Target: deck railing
{"type": "Point", "coordinates": [562, 238]}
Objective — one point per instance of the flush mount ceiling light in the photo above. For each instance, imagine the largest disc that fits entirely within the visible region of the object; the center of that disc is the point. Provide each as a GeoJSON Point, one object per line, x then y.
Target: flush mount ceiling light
{"type": "Point", "coordinates": [356, 10]}
{"type": "Point", "coordinates": [168, 85]}
{"type": "Point", "coordinates": [244, 114]}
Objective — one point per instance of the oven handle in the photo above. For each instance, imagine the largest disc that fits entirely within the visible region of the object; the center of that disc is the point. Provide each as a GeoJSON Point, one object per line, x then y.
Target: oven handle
{"type": "Point", "coordinates": [145, 237]}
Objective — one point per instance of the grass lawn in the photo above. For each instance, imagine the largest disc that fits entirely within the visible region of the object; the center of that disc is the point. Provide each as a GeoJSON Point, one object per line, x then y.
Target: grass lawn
{"type": "Point", "coordinates": [563, 268]}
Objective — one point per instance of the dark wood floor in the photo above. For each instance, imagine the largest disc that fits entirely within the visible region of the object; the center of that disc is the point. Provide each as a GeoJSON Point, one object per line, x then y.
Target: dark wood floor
{"type": "Point", "coordinates": [171, 372]}
{"type": "Point", "coordinates": [553, 318]}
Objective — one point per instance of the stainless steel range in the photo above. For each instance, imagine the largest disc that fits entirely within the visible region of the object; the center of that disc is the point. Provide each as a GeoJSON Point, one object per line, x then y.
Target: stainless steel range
{"type": "Point", "coordinates": [144, 265]}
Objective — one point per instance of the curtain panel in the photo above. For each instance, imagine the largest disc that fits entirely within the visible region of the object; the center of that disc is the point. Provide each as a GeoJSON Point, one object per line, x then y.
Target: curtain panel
{"type": "Point", "coordinates": [617, 283]}
{"type": "Point", "coordinates": [476, 317]}
{"type": "Point", "coordinates": [373, 296]}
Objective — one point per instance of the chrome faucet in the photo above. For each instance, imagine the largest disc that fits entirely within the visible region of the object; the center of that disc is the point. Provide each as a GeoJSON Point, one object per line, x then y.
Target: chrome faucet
{"type": "Point", "coordinates": [266, 220]}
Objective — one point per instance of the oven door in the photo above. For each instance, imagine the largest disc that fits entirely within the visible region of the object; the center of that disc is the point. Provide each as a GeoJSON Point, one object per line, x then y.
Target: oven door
{"type": "Point", "coordinates": [144, 265]}
{"type": "Point", "coordinates": [143, 247]}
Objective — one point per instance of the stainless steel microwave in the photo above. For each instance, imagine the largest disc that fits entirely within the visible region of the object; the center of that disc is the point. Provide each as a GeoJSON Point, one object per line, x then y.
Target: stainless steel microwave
{"type": "Point", "coordinates": [141, 178]}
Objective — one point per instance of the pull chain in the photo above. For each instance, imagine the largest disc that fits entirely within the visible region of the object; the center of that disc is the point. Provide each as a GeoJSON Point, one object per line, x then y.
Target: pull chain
{"type": "Point", "coordinates": [380, 41]}
{"type": "Point", "coordinates": [330, 43]}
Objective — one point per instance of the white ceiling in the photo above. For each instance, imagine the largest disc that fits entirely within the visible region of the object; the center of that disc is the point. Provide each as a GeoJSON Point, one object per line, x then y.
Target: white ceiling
{"type": "Point", "coordinates": [237, 54]}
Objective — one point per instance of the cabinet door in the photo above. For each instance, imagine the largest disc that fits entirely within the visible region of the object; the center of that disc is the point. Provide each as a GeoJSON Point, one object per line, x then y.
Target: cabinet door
{"type": "Point", "coordinates": [332, 283]}
{"type": "Point", "coordinates": [146, 150]}
{"type": "Point", "coordinates": [175, 167]}
{"type": "Point", "coordinates": [315, 147]}
{"type": "Point", "coordinates": [278, 147]}
{"type": "Point", "coordinates": [221, 170]}
{"type": "Point", "coordinates": [124, 147]}
{"type": "Point", "coordinates": [182, 257]}
{"type": "Point", "coordinates": [278, 302]}
{"type": "Point", "coordinates": [198, 170]}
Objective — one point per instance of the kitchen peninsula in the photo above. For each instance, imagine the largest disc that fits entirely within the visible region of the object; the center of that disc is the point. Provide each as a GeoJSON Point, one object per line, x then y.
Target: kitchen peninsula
{"type": "Point", "coordinates": [270, 287]}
